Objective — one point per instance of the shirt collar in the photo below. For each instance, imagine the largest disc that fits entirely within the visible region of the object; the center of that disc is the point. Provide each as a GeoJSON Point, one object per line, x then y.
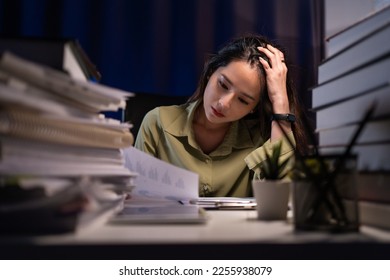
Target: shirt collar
{"type": "Point", "coordinates": [182, 125]}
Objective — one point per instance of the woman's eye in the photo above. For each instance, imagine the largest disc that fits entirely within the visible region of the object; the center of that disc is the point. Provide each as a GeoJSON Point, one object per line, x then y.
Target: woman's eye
{"type": "Point", "coordinates": [223, 85]}
{"type": "Point", "coordinates": [242, 100]}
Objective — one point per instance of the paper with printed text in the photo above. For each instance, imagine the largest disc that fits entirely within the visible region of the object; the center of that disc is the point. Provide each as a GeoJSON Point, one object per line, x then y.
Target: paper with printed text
{"type": "Point", "coordinates": [159, 180]}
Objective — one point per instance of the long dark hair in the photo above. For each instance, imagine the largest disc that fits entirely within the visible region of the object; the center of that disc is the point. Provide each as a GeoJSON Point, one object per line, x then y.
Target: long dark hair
{"type": "Point", "coordinates": [245, 48]}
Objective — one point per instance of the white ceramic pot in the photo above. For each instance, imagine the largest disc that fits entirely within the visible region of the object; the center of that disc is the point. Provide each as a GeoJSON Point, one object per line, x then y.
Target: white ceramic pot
{"type": "Point", "coordinates": [271, 198]}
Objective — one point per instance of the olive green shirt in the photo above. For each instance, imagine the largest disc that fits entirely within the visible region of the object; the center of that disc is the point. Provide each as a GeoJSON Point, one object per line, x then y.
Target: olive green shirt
{"type": "Point", "coordinates": [166, 133]}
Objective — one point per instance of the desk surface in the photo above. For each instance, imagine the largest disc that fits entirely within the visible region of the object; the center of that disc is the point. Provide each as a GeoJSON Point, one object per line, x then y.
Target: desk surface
{"type": "Point", "coordinates": [227, 235]}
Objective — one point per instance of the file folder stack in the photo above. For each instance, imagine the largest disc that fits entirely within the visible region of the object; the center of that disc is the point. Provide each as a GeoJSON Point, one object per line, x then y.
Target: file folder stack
{"type": "Point", "coordinates": [353, 76]}
{"type": "Point", "coordinates": [53, 137]}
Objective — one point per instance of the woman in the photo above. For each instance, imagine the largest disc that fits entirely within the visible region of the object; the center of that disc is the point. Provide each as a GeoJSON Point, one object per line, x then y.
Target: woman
{"type": "Point", "coordinates": [224, 129]}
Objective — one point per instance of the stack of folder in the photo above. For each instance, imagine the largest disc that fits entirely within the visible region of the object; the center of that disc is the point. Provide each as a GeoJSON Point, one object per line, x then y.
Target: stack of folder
{"type": "Point", "coordinates": [57, 149]}
{"type": "Point", "coordinates": [355, 75]}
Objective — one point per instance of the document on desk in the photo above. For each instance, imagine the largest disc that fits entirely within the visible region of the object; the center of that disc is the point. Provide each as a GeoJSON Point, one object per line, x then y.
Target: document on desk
{"type": "Point", "coordinates": [225, 203]}
{"type": "Point", "coordinates": [158, 180]}
{"type": "Point", "coordinates": [159, 189]}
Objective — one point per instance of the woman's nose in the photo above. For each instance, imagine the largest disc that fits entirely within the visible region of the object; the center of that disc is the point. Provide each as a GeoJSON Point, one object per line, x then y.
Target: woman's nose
{"type": "Point", "coordinates": [226, 100]}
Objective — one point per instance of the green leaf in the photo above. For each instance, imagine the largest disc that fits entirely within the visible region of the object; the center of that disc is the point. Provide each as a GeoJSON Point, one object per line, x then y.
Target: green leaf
{"type": "Point", "coordinates": [271, 168]}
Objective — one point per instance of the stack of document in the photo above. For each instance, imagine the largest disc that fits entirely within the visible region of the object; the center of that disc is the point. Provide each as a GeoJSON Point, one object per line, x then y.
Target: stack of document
{"type": "Point", "coordinates": [51, 128]}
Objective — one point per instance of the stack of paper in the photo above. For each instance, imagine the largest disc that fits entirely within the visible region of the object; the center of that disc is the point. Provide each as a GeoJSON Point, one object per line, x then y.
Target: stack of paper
{"type": "Point", "coordinates": [352, 78]}
{"type": "Point", "coordinates": [51, 128]}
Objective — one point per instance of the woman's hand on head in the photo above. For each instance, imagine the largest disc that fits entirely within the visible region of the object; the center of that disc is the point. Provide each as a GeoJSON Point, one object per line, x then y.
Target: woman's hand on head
{"type": "Point", "coordinates": [276, 77]}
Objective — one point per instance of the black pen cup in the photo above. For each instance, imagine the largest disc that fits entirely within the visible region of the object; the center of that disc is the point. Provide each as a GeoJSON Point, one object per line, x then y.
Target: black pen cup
{"type": "Point", "coordinates": [325, 194]}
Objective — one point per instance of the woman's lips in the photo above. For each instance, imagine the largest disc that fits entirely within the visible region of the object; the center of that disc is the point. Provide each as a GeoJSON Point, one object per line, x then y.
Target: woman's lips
{"type": "Point", "coordinates": [217, 113]}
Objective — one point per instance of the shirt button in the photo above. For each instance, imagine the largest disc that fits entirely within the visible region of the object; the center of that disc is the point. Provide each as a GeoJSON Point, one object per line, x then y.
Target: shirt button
{"type": "Point", "coordinates": [207, 161]}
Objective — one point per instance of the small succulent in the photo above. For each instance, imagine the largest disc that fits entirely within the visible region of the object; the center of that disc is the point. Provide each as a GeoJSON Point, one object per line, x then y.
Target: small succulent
{"type": "Point", "coordinates": [272, 168]}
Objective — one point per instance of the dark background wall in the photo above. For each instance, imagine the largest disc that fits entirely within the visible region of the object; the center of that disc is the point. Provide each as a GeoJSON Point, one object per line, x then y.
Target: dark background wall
{"type": "Point", "coordinates": [159, 46]}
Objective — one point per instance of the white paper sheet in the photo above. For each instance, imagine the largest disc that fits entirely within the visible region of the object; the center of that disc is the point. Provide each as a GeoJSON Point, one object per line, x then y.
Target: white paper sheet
{"type": "Point", "coordinates": [159, 180]}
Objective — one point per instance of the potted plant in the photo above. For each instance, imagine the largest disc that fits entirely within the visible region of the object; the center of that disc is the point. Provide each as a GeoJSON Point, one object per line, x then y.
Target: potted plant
{"type": "Point", "coordinates": [270, 190]}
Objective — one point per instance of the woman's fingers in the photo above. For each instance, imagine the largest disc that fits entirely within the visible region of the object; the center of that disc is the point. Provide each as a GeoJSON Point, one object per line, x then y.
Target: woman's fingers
{"type": "Point", "coordinates": [274, 55]}
{"type": "Point", "coordinates": [276, 73]}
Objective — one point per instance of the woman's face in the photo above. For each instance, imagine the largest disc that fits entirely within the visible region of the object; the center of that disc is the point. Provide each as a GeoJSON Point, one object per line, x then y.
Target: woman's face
{"type": "Point", "coordinates": [232, 92]}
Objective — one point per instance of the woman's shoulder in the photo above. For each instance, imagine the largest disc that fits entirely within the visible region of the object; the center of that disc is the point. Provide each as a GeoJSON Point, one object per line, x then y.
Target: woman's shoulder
{"type": "Point", "coordinates": [166, 114]}
{"type": "Point", "coordinates": [172, 109]}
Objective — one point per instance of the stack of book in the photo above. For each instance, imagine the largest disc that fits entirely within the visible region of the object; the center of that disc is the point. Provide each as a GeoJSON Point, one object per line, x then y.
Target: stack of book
{"type": "Point", "coordinates": [354, 75]}
{"type": "Point", "coordinates": [64, 54]}
{"type": "Point", "coordinates": [57, 150]}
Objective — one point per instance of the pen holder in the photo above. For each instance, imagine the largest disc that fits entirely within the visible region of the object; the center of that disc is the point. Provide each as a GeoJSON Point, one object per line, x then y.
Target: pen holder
{"type": "Point", "coordinates": [328, 200]}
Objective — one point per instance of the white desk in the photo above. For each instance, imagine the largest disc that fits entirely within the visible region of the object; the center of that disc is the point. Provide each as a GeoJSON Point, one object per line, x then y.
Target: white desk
{"type": "Point", "coordinates": [227, 235]}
